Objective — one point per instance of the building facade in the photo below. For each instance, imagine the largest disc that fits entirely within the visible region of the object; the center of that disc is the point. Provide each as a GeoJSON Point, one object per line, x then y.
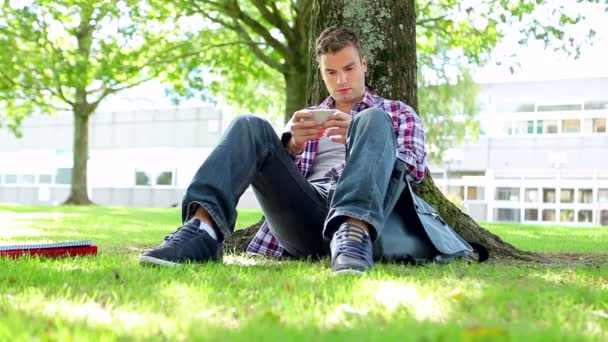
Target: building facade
{"type": "Point", "coordinates": [136, 158]}
{"type": "Point", "coordinates": [541, 158]}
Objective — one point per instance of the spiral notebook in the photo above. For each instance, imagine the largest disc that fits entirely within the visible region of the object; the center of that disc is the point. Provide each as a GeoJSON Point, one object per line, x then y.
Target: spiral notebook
{"type": "Point", "coordinates": [52, 250]}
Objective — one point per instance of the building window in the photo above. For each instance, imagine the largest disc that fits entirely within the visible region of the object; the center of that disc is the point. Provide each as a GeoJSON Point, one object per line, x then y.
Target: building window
{"type": "Point", "coordinates": [507, 194]}
{"type": "Point", "coordinates": [475, 193]}
{"type": "Point", "coordinates": [456, 191]}
{"type": "Point", "coordinates": [539, 126]}
{"type": "Point", "coordinates": [164, 178]}
{"type": "Point", "coordinates": [549, 215]}
{"type": "Point", "coordinates": [525, 107]}
{"type": "Point", "coordinates": [567, 196]}
{"type": "Point", "coordinates": [10, 179]}
{"type": "Point", "coordinates": [559, 108]}
{"type": "Point", "coordinates": [45, 179]}
{"type": "Point", "coordinates": [437, 175]}
{"type": "Point", "coordinates": [549, 196]}
{"type": "Point", "coordinates": [571, 126]}
{"type": "Point", "coordinates": [520, 127]}
{"type": "Point", "coordinates": [585, 216]}
{"type": "Point", "coordinates": [27, 179]}
{"type": "Point", "coordinates": [142, 178]}
{"type": "Point", "coordinates": [531, 195]}
{"type": "Point", "coordinates": [531, 214]}
{"type": "Point", "coordinates": [604, 217]}
{"type": "Point", "coordinates": [63, 176]}
{"type": "Point", "coordinates": [508, 128]}
{"type": "Point", "coordinates": [590, 105]}
{"type": "Point", "coordinates": [585, 196]}
{"type": "Point", "coordinates": [566, 215]}
{"type": "Point", "coordinates": [530, 126]}
{"type": "Point", "coordinates": [147, 178]}
{"type": "Point", "coordinates": [549, 126]}
{"type": "Point", "coordinates": [599, 125]}
{"type": "Point", "coordinates": [602, 195]}
{"type": "Point", "coordinates": [506, 215]}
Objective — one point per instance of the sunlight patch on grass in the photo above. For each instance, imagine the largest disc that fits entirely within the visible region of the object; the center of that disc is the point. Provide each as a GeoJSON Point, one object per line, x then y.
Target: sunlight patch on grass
{"type": "Point", "coordinates": [245, 260]}
{"type": "Point", "coordinates": [22, 224]}
{"type": "Point", "coordinates": [423, 306]}
{"type": "Point", "coordinates": [87, 311]}
{"type": "Point", "coordinates": [8, 230]}
{"type": "Point", "coordinates": [30, 217]}
{"type": "Point", "coordinates": [195, 302]}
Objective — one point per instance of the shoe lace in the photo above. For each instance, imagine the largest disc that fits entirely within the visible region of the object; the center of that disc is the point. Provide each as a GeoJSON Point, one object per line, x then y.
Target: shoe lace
{"type": "Point", "coordinates": [182, 234]}
{"type": "Point", "coordinates": [351, 242]}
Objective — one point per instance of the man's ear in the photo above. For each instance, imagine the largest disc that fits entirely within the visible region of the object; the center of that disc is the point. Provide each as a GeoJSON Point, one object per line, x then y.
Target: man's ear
{"type": "Point", "coordinates": [364, 63]}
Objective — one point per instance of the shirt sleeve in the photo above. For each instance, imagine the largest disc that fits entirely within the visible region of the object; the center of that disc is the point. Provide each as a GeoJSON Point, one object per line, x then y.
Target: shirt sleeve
{"type": "Point", "coordinates": [411, 143]}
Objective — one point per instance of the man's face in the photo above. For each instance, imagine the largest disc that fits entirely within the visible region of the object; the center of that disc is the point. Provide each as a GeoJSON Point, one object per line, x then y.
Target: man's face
{"type": "Point", "coordinates": [344, 75]}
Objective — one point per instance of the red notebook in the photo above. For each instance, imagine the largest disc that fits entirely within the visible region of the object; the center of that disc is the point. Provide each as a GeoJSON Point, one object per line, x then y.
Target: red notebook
{"type": "Point", "coordinates": [57, 249]}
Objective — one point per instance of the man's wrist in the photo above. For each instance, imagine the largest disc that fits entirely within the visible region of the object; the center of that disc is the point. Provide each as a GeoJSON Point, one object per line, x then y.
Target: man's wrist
{"type": "Point", "coordinates": [291, 146]}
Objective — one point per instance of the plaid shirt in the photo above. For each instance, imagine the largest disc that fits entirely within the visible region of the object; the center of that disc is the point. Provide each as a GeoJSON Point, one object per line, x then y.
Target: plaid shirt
{"type": "Point", "coordinates": [409, 135]}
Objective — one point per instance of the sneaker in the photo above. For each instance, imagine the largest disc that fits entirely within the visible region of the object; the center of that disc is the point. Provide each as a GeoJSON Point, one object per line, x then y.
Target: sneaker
{"type": "Point", "coordinates": [351, 250]}
{"type": "Point", "coordinates": [187, 244]}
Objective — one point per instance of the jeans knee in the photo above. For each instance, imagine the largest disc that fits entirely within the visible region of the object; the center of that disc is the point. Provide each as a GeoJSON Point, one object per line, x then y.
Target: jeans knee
{"type": "Point", "coordinates": [250, 121]}
{"type": "Point", "coordinates": [374, 119]}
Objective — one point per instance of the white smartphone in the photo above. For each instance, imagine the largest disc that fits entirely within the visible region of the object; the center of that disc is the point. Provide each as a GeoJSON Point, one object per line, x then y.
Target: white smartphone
{"type": "Point", "coordinates": [320, 114]}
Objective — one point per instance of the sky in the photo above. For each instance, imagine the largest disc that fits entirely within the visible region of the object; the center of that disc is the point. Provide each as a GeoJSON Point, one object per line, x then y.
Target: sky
{"type": "Point", "coordinates": [538, 64]}
{"type": "Point", "coordinates": [531, 63]}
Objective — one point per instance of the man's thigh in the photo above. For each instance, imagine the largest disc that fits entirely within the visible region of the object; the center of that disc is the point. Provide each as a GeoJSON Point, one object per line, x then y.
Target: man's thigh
{"type": "Point", "coordinates": [294, 207]}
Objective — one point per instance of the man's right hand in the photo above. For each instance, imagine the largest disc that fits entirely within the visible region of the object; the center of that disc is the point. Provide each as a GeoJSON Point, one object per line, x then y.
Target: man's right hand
{"type": "Point", "coordinates": [302, 131]}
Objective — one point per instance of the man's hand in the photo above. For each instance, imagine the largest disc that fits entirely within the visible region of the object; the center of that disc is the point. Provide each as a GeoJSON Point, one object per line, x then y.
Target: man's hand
{"type": "Point", "coordinates": [302, 131]}
{"type": "Point", "coordinates": [337, 125]}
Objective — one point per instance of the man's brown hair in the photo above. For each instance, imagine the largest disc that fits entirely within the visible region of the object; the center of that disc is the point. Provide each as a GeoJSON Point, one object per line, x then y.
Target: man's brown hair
{"type": "Point", "coordinates": [334, 39]}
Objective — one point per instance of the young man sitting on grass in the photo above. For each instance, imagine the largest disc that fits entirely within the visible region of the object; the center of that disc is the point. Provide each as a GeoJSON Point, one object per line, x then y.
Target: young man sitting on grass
{"type": "Point", "coordinates": [322, 185]}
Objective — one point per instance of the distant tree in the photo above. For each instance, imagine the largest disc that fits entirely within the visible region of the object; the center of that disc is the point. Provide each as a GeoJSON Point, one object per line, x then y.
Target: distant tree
{"type": "Point", "coordinates": [71, 54]}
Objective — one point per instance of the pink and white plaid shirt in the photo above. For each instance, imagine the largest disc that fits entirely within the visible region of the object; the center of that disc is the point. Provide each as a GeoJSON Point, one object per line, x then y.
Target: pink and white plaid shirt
{"type": "Point", "coordinates": [409, 135]}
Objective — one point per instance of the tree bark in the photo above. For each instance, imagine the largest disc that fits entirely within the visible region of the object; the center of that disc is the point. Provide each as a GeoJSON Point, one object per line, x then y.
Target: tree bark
{"type": "Point", "coordinates": [78, 192]}
{"type": "Point", "coordinates": [295, 89]}
{"type": "Point", "coordinates": [388, 31]}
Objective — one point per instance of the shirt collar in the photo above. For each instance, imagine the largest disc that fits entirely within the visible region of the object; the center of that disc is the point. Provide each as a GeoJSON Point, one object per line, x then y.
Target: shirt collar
{"type": "Point", "coordinates": [366, 102]}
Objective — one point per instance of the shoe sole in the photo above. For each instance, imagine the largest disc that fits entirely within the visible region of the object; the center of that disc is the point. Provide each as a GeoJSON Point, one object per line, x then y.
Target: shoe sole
{"type": "Point", "coordinates": [151, 261]}
{"type": "Point", "coordinates": [348, 271]}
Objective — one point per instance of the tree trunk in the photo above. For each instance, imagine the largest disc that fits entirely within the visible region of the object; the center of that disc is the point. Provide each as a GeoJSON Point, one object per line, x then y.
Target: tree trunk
{"type": "Point", "coordinates": [78, 193]}
{"type": "Point", "coordinates": [295, 89]}
{"type": "Point", "coordinates": [388, 31]}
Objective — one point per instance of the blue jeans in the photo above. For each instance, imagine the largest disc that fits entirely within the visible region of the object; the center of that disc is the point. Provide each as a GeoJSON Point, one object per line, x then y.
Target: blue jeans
{"type": "Point", "coordinates": [303, 214]}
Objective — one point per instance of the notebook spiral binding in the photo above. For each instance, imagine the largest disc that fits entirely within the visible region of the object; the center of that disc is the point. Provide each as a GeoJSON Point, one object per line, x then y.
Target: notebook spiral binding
{"type": "Point", "coordinates": [54, 249]}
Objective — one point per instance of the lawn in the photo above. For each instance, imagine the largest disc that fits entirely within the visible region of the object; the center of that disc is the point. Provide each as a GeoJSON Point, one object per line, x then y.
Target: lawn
{"type": "Point", "coordinates": [110, 297]}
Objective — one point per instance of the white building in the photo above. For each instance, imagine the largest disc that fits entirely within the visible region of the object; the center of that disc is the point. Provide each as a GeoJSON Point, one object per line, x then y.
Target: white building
{"type": "Point", "coordinates": [137, 158]}
{"type": "Point", "coordinates": [542, 157]}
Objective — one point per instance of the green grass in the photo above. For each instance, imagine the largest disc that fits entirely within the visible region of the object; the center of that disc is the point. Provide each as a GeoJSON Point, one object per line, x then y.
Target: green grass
{"type": "Point", "coordinates": [546, 238]}
{"type": "Point", "coordinates": [110, 297]}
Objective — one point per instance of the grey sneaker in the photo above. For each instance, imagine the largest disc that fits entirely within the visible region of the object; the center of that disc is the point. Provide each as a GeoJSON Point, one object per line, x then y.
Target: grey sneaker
{"type": "Point", "coordinates": [351, 250]}
{"type": "Point", "coordinates": [187, 244]}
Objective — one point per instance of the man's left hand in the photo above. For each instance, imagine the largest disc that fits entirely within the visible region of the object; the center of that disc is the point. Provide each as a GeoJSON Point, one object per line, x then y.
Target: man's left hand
{"type": "Point", "coordinates": [336, 126]}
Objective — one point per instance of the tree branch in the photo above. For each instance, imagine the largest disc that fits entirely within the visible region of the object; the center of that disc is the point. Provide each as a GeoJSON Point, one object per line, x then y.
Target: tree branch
{"type": "Point", "coordinates": [232, 9]}
{"type": "Point", "coordinates": [252, 44]}
{"type": "Point", "coordinates": [274, 18]}
{"type": "Point", "coordinates": [258, 52]}
{"type": "Point", "coordinates": [109, 90]}
{"type": "Point", "coordinates": [428, 20]}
